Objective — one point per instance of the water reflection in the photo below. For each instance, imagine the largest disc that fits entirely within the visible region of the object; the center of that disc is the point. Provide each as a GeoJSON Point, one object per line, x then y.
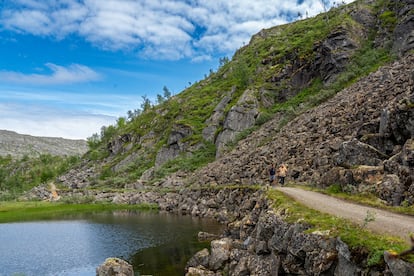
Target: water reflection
{"type": "Point", "coordinates": [157, 244]}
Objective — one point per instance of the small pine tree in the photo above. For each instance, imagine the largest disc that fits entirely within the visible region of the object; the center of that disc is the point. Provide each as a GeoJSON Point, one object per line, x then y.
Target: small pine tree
{"type": "Point", "coordinates": [146, 103]}
{"type": "Point", "coordinates": [167, 93]}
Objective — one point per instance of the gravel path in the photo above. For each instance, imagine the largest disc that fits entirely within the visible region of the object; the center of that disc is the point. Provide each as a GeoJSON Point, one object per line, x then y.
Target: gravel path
{"type": "Point", "coordinates": [384, 223]}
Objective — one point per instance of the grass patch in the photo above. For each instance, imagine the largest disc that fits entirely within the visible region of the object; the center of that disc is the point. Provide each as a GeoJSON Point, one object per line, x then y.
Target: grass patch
{"type": "Point", "coordinates": [357, 238]}
{"type": "Point", "coordinates": [39, 210]}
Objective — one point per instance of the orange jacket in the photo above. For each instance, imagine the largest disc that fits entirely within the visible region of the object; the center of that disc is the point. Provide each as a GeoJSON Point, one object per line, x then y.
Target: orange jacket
{"type": "Point", "coordinates": [282, 171]}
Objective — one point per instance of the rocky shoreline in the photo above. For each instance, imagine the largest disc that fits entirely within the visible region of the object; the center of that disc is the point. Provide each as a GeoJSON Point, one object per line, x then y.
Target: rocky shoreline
{"type": "Point", "coordinates": [257, 241]}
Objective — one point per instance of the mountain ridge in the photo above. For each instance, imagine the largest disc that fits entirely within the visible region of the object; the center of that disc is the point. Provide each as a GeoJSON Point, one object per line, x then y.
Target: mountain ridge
{"type": "Point", "coordinates": [19, 145]}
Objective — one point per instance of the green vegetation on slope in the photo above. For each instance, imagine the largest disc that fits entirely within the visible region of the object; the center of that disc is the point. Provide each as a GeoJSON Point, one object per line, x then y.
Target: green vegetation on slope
{"type": "Point", "coordinates": [19, 175]}
{"type": "Point", "coordinates": [268, 54]}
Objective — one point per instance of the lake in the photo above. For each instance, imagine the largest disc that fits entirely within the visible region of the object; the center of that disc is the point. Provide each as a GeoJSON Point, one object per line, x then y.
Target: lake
{"type": "Point", "coordinates": [154, 243]}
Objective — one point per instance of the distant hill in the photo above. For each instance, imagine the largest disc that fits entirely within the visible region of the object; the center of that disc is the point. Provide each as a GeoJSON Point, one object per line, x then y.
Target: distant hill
{"type": "Point", "coordinates": [18, 145]}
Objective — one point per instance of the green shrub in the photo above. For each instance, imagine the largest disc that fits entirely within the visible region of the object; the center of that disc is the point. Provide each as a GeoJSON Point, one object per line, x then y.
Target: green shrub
{"type": "Point", "coordinates": [264, 117]}
{"type": "Point", "coordinates": [197, 159]}
{"type": "Point", "coordinates": [334, 189]}
{"type": "Point", "coordinates": [388, 20]}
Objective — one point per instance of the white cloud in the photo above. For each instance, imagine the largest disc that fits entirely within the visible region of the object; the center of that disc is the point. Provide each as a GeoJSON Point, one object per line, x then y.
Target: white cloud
{"type": "Point", "coordinates": [74, 73]}
{"type": "Point", "coordinates": [38, 121]}
{"type": "Point", "coordinates": [167, 29]}
{"type": "Point", "coordinates": [71, 127]}
{"type": "Point", "coordinates": [60, 114]}
{"type": "Point", "coordinates": [108, 104]}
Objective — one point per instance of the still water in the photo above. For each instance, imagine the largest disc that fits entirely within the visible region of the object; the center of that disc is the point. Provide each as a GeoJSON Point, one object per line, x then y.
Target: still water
{"type": "Point", "coordinates": [155, 244]}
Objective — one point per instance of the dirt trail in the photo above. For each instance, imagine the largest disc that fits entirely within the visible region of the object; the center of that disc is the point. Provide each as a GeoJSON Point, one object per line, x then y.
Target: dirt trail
{"type": "Point", "coordinates": [384, 222]}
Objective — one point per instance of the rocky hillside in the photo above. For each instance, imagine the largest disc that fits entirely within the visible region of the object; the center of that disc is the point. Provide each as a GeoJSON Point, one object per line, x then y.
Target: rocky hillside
{"type": "Point", "coordinates": [18, 145]}
{"type": "Point", "coordinates": [361, 139]}
{"type": "Point", "coordinates": [311, 94]}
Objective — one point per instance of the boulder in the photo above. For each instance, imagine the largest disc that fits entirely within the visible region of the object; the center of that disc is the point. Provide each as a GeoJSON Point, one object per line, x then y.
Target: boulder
{"type": "Point", "coordinates": [397, 266]}
{"type": "Point", "coordinates": [115, 267]}
{"type": "Point", "coordinates": [345, 266]}
{"type": "Point", "coordinates": [201, 271]}
{"type": "Point", "coordinates": [368, 175]}
{"type": "Point", "coordinates": [201, 258]}
{"type": "Point", "coordinates": [355, 153]}
{"type": "Point", "coordinates": [390, 190]}
{"type": "Point", "coordinates": [220, 253]}
{"type": "Point", "coordinates": [266, 265]}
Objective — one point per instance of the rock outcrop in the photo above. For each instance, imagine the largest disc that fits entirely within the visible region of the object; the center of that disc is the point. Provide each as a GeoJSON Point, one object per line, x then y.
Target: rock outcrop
{"type": "Point", "coordinates": [264, 244]}
{"type": "Point", "coordinates": [240, 117]}
{"type": "Point", "coordinates": [216, 119]}
{"type": "Point", "coordinates": [175, 144]}
{"type": "Point", "coordinates": [404, 31]}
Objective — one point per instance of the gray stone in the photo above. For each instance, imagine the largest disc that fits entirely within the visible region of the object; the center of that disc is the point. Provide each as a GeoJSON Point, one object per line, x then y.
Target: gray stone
{"type": "Point", "coordinates": [240, 117]}
{"type": "Point", "coordinates": [345, 266]}
{"type": "Point", "coordinates": [115, 267]}
{"type": "Point", "coordinates": [216, 118]}
{"type": "Point", "coordinates": [220, 253]}
{"type": "Point", "coordinates": [201, 271]}
{"type": "Point", "coordinates": [397, 266]}
{"type": "Point", "coordinates": [354, 152]}
{"type": "Point", "coordinates": [201, 258]}
{"type": "Point", "coordinates": [390, 190]}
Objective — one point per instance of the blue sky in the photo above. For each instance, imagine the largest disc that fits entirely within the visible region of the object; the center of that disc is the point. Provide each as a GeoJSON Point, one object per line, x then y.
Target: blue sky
{"type": "Point", "coordinates": [69, 67]}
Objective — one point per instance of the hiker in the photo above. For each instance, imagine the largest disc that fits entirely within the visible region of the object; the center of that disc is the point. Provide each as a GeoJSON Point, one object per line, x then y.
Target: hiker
{"type": "Point", "coordinates": [272, 174]}
{"type": "Point", "coordinates": [281, 173]}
